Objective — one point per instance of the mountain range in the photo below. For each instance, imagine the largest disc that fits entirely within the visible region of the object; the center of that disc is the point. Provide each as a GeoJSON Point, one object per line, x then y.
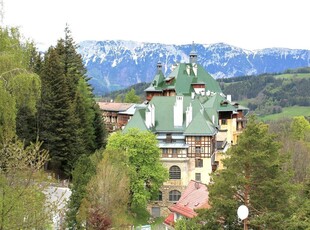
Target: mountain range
{"type": "Point", "coordinates": [117, 64]}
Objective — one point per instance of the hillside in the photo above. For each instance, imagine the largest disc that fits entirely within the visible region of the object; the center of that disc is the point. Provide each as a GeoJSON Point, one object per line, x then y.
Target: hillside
{"type": "Point", "coordinates": [269, 94]}
{"type": "Point", "coordinates": [264, 94]}
{"type": "Point", "coordinates": [114, 65]}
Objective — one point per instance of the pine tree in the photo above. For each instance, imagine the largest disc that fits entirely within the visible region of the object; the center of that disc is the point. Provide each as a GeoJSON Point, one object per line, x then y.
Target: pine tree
{"type": "Point", "coordinates": [55, 111]}
{"type": "Point", "coordinates": [69, 124]}
{"type": "Point", "coordinates": [253, 177]}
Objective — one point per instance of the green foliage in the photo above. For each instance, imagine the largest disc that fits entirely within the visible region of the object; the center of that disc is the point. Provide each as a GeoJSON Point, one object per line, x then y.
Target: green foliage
{"type": "Point", "coordinates": [253, 176]}
{"type": "Point", "coordinates": [300, 128]}
{"type": "Point", "coordinates": [268, 94]}
{"type": "Point", "coordinates": [118, 98]}
{"type": "Point", "coordinates": [26, 88]}
{"type": "Point", "coordinates": [19, 88]}
{"type": "Point", "coordinates": [69, 118]}
{"type": "Point", "coordinates": [22, 201]}
{"type": "Point", "coordinates": [118, 95]}
{"type": "Point", "coordinates": [14, 54]}
{"type": "Point", "coordinates": [186, 224]}
{"type": "Point", "coordinates": [288, 112]}
{"type": "Point", "coordinates": [106, 201]}
{"type": "Point", "coordinates": [84, 170]}
{"type": "Point", "coordinates": [298, 150]}
{"type": "Point", "coordinates": [7, 114]}
{"type": "Point", "coordinates": [142, 156]}
{"type": "Point", "coordinates": [131, 97]}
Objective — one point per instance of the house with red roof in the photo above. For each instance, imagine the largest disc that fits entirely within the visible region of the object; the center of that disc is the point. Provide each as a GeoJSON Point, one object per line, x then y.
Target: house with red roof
{"type": "Point", "coordinates": [195, 196]}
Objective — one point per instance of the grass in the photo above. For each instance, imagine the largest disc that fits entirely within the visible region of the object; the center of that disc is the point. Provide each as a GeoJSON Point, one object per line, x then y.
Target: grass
{"type": "Point", "coordinates": [293, 75]}
{"type": "Point", "coordinates": [288, 112]}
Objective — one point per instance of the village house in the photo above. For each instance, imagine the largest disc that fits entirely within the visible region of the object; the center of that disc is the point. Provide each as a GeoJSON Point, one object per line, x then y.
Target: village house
{"type": "Point", "coordinates": [116, 115]}
{"type": "Point", "coordinates": [194, 123]}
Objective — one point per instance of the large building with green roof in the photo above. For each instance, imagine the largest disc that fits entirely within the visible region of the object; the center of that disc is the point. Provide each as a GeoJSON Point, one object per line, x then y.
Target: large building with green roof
{"type": "Point", "coordinates": [194, 123]}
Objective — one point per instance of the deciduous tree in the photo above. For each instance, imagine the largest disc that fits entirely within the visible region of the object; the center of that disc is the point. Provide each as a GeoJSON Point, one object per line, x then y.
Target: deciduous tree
{"type": "Point", "coordinates": [131, 97]}
{"type": "Point", "coordinates": [106, 202]}
{"type": "Point", "coordinates": [22, 201]}
{"type": "Point", "coordinates": [142, 156]}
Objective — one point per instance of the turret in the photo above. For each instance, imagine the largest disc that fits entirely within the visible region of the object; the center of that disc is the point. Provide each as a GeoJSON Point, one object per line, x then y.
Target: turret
{"type": "Point", "coordinates": [193, 54]}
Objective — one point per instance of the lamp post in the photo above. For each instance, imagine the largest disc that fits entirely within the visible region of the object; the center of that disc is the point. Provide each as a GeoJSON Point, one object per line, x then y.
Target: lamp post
{"type": "Point", "coordinates": [243, 213]}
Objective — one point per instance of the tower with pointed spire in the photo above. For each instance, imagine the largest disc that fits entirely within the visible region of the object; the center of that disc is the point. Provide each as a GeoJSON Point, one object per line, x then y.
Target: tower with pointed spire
{"type": "Point", "coordinates": [185, 79]}
{"type": "Point", "coordinates": [193, 54]}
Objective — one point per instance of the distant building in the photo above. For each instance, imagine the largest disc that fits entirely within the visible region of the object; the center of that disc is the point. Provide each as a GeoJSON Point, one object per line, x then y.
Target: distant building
{"type": "Point", "coordinates": [116, 115]}
{"type": "Point", "coordinates": [194, 123]}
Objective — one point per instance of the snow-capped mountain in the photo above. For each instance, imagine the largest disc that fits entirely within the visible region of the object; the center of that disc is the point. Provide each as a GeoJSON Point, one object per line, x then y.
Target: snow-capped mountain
{"type": "Point", "coordinates": [113, 65]}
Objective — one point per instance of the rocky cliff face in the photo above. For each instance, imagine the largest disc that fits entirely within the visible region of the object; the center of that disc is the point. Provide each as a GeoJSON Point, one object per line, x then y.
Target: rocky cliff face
{"type": "Point", "coordinates": [115, 65]}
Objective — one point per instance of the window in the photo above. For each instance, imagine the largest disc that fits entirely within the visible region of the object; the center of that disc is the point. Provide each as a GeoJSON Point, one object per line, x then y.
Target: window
{"type": "Point", "coordinates": [159, 196]}
{"type": "Point", "coordinates": [224, 121]}
{"type": "Point", "coordinates": [165, 152]}
{"type": "Point", "coordinates": [168, 138]}
{"type": "Point", "coordinates": [198, 163]}
{"type": "Point", "coordinates": [197, 149]}
{"type": "Point", "coordinates": [198, 176]}
{"type": "Point", "coordinates": [174, 195]}
{"type": "Point", "coordinates": [174, 172]}
{"type": "Point", "coordinates": [198, 139]}
{"type": "Point", "coordinates": [156, 212]}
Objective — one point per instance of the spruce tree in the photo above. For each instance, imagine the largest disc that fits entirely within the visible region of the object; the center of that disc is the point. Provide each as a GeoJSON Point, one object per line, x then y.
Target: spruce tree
{"type": "Point", "coordinates": [68, 113]}
{"type": "Point", "coordinates": [56, 111]}
{"type": "Point", "coordinates": [253, 177]}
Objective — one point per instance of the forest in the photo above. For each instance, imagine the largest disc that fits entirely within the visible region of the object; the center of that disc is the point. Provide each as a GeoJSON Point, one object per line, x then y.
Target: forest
{"type": "Point", "coordinates": [51, 128]}
{"type": "Point", "coordinates": [263, 94]}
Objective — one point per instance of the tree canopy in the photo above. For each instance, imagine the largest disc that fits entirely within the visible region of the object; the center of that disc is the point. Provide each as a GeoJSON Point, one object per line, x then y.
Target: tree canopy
{"type": "Point", "coordinates": [252, 176]}
{"type": "Point", "coordinates": [23, 204]}
{"type": "Point", "coordinates": [141, 155]}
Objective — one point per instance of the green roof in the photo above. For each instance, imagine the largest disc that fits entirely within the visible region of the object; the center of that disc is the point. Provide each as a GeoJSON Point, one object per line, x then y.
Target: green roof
{"type": "Point", "coordinates": [137, 121]}
{"type": "Point", "coordinates": [164, 116]}
{"type": "Point", "coordinates": [157, 83]}
{"type": "Point", "coordinates": [200, 126]}
{"type": "Point", "coordinates": [184, 76]}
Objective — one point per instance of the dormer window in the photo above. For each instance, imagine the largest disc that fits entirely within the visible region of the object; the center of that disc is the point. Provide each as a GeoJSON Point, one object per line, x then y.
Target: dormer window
{"type": "Point", "coordinates": [168, 138]}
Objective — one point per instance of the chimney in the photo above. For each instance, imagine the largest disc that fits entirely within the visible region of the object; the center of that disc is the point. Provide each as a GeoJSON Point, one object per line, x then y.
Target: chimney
{"type": "Point", "coordinates": [150, 116]}
{"type": "Point", "coordinates": [189, 114]}
{"type": "Point", "coordinates": [153, 115]}
{"type": "Point", "coordinates": [193, 95]}
{"type": "Point", "coordinates": [178, 112]}
{"type": "Point", "coordinates": [228, 97]}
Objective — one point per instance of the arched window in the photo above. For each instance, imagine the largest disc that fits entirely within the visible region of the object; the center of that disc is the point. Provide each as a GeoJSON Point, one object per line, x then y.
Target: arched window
{"type": "Point", "coordinates": [174, 172]}
{"type": "Point", "coordinates": [174, 195]}
{"type": "Point", "coordinates": [158, 196]}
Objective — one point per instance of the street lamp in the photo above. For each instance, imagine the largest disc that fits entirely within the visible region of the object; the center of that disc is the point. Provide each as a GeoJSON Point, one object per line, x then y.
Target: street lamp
{"type": "Point", "coordinates": [243, 213]}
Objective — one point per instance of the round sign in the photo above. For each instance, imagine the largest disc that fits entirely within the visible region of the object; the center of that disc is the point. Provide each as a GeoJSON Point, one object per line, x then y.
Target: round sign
{"type": "Point", "coordinates": [243, 212]}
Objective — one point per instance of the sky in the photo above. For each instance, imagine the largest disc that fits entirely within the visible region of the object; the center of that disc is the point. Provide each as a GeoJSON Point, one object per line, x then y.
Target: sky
{"type": "Point", "coordinates": [248, 24]}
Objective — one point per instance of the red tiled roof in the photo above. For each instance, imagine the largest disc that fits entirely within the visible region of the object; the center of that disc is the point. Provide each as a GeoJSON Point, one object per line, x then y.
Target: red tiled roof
{"type": "Point", "coordinates": [114, 106]}
{"type": "Point", "coordinates": [195, 196]}
{"type": "Point", "coordinates": [183, 210]}
{"type": "Point", "coordinates": [170, 219]}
